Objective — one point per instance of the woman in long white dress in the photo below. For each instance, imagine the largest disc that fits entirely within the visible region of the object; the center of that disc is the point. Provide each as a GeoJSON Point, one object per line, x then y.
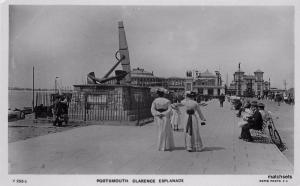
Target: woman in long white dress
{"type": "Point", "coordinates": [161, 110]}
{"type": "Point", "coordinates": [191, 121]}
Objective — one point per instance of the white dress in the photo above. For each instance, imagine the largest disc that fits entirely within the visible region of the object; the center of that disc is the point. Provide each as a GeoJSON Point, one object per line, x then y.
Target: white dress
{"type": "Point", "coordinates": [245, 115]}
{"type": "Point", "coordinates": [161, 110]}
{"type": "Point", "coordinates": [193, 139]}
{"type": "Point", "coordinates": [175, 119]}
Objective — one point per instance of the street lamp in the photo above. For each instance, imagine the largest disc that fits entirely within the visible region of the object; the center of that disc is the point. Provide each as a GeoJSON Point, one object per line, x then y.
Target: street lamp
{"type": "Point", "coordinates": [239, 81]}
{"type": "Point", "coordinates": [55, 83]}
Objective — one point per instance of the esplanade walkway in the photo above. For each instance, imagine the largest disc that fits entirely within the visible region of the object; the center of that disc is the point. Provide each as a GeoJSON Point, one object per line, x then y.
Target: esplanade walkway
{"type": "Point", "coordinates": [104, 149]}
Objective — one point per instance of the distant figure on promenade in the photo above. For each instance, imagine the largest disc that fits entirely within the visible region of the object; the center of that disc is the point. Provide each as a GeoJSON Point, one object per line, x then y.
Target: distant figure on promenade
{"type": "Point", "coordinates": [221, 99]}
{"type": "Point", "coordinates": [254, 122]}
{"type": "Point", "coordinates": [273, 96]}
{"type": "Point", "coordinates": [191, 122]}
{"type": "Point", "coordinates": [278, 98]}
{"type": "Point", "coordinates": [161, 110]}
{"type": "Point", "coordinates": [175, 119]}
{"type": "Point", "coordinates": [291, 100]}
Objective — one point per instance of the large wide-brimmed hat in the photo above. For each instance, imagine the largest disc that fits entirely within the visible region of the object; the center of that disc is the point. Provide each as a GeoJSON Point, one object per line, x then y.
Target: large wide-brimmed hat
{"type": "Point", "coordinates": [190, 94]}
{"type": "Point", "coordinates": [159, 90]}
{"type": "Point", "coordinates": [247, 105]}
{"type": "Point", "coordinates": [162, 90]}
{"type": "Point", "coordinates": [254, 103]}
{"type": "Point", "coordinates": [193, 93]}
{"type": "Point", "coordinates": [187, 92]}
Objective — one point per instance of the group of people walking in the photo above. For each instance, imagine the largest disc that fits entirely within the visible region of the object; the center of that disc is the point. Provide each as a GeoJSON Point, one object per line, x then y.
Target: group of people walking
{"type": "Point", "coordinates": [186, 113]}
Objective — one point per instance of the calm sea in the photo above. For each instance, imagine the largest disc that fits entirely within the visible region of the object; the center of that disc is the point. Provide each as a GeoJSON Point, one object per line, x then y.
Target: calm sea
{"type": "Point", "coordinates": [20, 98]}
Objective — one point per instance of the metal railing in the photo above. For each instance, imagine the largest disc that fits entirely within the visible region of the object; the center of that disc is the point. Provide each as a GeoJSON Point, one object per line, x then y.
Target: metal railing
{"type": "Point", "coordinates": [110, 105]}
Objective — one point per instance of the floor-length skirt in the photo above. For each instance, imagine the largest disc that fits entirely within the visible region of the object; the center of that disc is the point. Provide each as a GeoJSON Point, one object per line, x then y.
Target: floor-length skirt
{"type": "Point", "coordinates": [193, 141]}
{"type": "Point", "coordinates": [175, 119]}
{"type": "Point", "coordinates": [165, 134]}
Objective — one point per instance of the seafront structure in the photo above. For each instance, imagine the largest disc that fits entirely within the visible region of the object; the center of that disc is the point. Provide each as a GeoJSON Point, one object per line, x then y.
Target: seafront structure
{"type": "Point", "coordinates": [112, 97]}
{"type": "Point", "coordinates": [141, 77]}
{"type": "Point", "coordinates": [248, 85]}
{"type": "Point", "coordinates": [127, 95]}
{"type": "Point", "coordinates": [204, 83]}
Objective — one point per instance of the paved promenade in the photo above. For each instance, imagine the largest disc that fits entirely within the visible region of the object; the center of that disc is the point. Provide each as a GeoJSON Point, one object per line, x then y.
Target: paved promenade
{"type": "Point", "coordinates": [102, 149]}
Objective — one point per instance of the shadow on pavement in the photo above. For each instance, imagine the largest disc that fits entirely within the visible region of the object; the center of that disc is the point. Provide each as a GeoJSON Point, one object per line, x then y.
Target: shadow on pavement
{"type": "Point", "coordinates": [179, 130]}
{"type": "Point", "coordinates": [178, 148]}
{"type": "Point", "coordinates": [212, 148]}
{"type": "Point", "coordinates": [204, 149]}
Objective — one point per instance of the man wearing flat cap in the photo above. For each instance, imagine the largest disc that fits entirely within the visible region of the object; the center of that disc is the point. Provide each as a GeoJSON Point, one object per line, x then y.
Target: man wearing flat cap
{"type": "Point", "coordinates": [254, 122]}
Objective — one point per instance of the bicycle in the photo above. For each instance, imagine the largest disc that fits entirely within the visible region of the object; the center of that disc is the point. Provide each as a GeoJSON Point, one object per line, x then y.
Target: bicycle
{"type": "Point", "coordinates": [274, 134]}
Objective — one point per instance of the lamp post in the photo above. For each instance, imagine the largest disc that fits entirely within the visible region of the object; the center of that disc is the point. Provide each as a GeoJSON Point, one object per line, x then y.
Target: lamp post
{"type": "Point", "coordinates": [285, 83]}
{"type": "Point", "coordinates": [239, 80]}
{"type": "Point", "coordinates": [269, 92]}
{"type": "Point", "coordinates": [55, 84]}
{"type": "Point", "coordinates": [32, 88]}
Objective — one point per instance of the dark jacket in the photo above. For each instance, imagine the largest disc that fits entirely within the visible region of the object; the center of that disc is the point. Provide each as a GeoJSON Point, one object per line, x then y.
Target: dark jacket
{"type": "Point", "coordinates": [256, 120]}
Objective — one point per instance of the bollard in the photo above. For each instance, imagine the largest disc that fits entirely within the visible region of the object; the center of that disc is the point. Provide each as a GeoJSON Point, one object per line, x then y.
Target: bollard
{"type": "Point", "coordinates": [85, 105]}
{"type": "Point", "coordinates": [138, 111]}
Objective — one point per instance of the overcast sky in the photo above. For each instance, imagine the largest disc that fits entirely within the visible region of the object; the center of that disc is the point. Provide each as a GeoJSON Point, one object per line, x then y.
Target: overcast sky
{"type": "Point", "coordinates": [71, 41]}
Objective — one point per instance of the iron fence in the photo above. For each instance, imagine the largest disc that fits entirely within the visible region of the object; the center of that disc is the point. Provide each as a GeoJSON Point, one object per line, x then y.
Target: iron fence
{"type": "Point", "coordinates": [96, 106]}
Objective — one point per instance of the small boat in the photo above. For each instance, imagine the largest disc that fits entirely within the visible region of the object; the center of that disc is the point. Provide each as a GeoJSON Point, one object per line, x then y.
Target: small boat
{"type": "Point", "coordinates": [18, 114]}
{"type": "Point", "coordinates": [15, 114]}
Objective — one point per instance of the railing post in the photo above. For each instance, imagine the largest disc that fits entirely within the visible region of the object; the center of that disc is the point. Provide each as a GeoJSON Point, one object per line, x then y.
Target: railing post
{"type": "Point", "coordinates": [35, 115]}
{"type": "Point", "coordinates": [85, 105]}
{"type": "Point", "coordinates": [138, 111]}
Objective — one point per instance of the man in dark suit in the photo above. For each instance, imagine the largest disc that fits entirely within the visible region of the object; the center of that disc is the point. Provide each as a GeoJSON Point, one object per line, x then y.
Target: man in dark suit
{"type": "Point", "coordinates": [221, 99]}
{"type": "Point", "coordinates": [254, 122]}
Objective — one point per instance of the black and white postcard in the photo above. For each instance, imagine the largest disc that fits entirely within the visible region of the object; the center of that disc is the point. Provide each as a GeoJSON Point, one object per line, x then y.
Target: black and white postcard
{"type": "Point", "coordinates": [152, 93]}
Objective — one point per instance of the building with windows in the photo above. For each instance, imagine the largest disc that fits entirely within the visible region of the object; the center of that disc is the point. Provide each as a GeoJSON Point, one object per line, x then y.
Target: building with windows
{"type": "Point", "coordinates": [204, 83]}
{"type": "Point", "coordinates": [248, 85]}
{"type": "Point", "coordinates": [140, 77]}
{"type": "Point", "coordinates": [175, 84]}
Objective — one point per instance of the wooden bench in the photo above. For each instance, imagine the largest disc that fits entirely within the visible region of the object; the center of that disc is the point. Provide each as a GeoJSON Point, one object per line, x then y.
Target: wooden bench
{"type": "Point", "coordinates": [262, 134]}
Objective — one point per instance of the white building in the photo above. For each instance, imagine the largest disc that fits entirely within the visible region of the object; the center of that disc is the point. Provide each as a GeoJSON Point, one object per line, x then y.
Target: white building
{"type": "Point", "coordinates": [247, 85]}
{"type": "Point", "coordinates": [204, 83]}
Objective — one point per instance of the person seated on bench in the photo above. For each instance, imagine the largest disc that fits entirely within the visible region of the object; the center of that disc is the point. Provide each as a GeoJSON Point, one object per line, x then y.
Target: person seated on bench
{"type": "Point", "coordinates": [264, 114]}
{"type": "Point", "coordinates": [254, 122]}
{"type": "Point", "coordinates": [244, 106]}
{"type": "Point", "coordinates": [246, 114]}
